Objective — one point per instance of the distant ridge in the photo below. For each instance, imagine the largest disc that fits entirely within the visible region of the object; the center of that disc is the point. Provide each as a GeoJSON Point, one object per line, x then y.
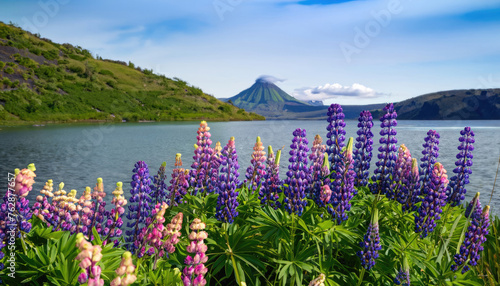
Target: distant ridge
{"type": "Point", "coordinates": [463, 104]}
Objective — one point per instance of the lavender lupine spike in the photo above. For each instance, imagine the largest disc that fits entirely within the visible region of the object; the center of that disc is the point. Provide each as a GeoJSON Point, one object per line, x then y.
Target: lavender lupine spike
{"type": "Point", "coordinates": [431, 153]}
{"type": "Point", "coordinates": [159, 186]}
{"type": "Point", "coordinates": [472, 205]}
{"type": "Point", "coordinates": [202, 155]}
{"type": "Point", "coordinates": [409, 195]}
{"type": "Point", "coordinates": [178, 184]}
{"type": "Point", "coordinates": [317, 158]}
{"type": "Point", "coordinates": [456, 189]}
{"type": "Point", "coordinates": [371, 243]}
{"type": "Point", "coordinates": [341, 201]}
{"type": "Point", "coordinates": [115, 221]}
{"type": "Point", "coordinates": [257, 169]}
{"type": "Point", "coordinates": [298, 177]}
{"type": "Point", "coordinates": [228, 180]}
{"type": "Point", "coordinates": [403, 277]}
{"type": "Point", "coordinates": [139, 207]}
{"type": "Point", "coordinates": [387, 154]}
{"type": "Point", "coordinates": [320, 192]}
{"type": "Point", "coordinates": [474, 238]}
{"type": "Point", "coordinates": [271, 185]}
{"type": "Point", "coordinates": [215, 162]}
{"type": "Point", "coordinates": [430, 209]}
{"type": "Point", "coordinates": [402, 171]}
{"type": "Point", "coordinates": [335, 142]}
{"type": "Point", "coordinates": [100, 212]}
{"type": "Point", "coordinates": [364, 148]}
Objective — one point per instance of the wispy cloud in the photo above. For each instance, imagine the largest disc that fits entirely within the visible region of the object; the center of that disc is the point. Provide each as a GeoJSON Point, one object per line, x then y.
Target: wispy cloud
{"type": "Point", "coordinates": [268, 78]}
{"type": "Point", "coordinates": [335, 90]}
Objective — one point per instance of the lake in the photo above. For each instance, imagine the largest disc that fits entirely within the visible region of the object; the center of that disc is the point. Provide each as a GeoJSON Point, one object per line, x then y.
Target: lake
{"type": "Point", "coordinates": [79, 154]}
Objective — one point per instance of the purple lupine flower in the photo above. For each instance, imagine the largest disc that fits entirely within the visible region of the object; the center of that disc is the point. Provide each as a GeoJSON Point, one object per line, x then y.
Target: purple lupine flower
{"type": "Point", "coordinates": [430, 152]}
{"type": "Point", "coordinates": [215, 162]}
{"type": "Point", "coordinates": [178, 184]}
{"type": "Point", "coordinates": [228, 180]}
{"type": "Point", "coordinates": [456, 189]}
{"type": "Point", "coordinates": [115, 221]}
{"type": "Point", "coordinates": [89, 256]}
{"type": "Point", "coordinates": [474, 238]}
{"type": "Point", "coordinates": [387, 154]}
{"type": "Point", "coordinates": [322, 181]}
{"type": "Point", "coordinates": [371, 243]}
{"type": "Point", "coordinates": [317, 157]}
{"type": "Point", "coordinates": [298, 177]}
{"type": "Point", "coordinates": [100, 213]}
{"type": "Point", "coordinates": [341, 201]}
{"type": "Point", "coordinates": [139, 207]}
{"type": "Point", "coordinates": [159, 186]}
{"type": "Point", "coordinates": [409, 195]}
{"type": "Point", "coordinates": [430, 209]}
{"type": "Point", "coordinates": [403, 277]}
{"type": "Point", "coordinates": [271, 185]}
{"type": "Point", "coordinates": [257, 169]}
{"type": "Point", "coordinates": [401, 174]}
{"type": "Point", "coordinates": [364, 147]}
{"type": "Point", "coordinates": [472, 205]}
{"type": "Point", "coordinates": [198, 176]}
{"type": "Point", "coordinates": [335, 142]}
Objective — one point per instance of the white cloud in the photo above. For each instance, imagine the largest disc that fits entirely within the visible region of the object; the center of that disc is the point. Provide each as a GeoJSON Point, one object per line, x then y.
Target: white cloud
{"type": "Point", "coordinates": [269, 78]}
{"type": "Point", "coordinates": [335, 90]}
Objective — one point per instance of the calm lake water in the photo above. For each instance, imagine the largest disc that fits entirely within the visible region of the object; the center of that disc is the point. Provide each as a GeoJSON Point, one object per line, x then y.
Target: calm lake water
{"type": "Point", "coordinates": [78, 154]}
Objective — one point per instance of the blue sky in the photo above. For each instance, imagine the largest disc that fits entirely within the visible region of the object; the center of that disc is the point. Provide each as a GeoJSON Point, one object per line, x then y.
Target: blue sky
{"type": "Point", "coordinates": [350, 52]}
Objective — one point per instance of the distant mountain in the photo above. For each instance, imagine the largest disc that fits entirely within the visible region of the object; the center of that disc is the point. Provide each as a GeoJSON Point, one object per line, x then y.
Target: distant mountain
{"type": "Point", "coordinates": [450, 105]}
{"type": "Point", "coordinates": [267, 99]}
{"type": "Point", "coordinates": [315, 102]}
{"type": "Point", "coordinates": [44, 81]}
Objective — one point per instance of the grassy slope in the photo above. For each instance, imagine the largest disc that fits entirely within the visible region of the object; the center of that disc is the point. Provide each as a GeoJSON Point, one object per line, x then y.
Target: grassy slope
{"type": "Point", "coordinates": [43, 81]}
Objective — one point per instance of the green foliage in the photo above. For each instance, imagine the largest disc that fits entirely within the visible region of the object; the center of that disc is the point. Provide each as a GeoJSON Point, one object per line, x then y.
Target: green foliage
{"type": "Point", "coordinates": [106, 72]}
{"type": "Point", "coordinates": [77, 57]}
{"type": "Point", "coordinates": [2, 64]}
{"type": "Point", "coordinates": [9, 70]}
{"type": "Point", "coordinates": [50, 54]}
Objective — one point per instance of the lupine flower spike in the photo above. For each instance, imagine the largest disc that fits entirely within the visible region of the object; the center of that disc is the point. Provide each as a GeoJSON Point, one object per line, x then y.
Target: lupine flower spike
{"type": "Point", "coordinates": [430, 209]}
{"type": "Point", "coordinates": [125, 272]}
{"type": "Point", "coordinates": [474, 237]}
{"type": "Point", "coordinates": [387, 154]}
{"type": "Point", "coordinates": [178, 184]}
{"type": "Point", "coordinates": [456, 189]}
{"type": "Point", "coordinates": [18, 221]}
{"type": "Point", "coordinates": [200, 168]}
{"type": "Point", "coordinates": [193, 274]}
{"type": "Point", "coordinates": [271, 186]}
{"type": "Point", "coordinates": [159, 187]}
{"type": "Point", "coordinates": [341, 200]}
{"type": "Point", "coordinates": [298, 177]}
{"type": "Point", "coordinates": [364, 147]}
{"type": "Point", "coordinates": [371, 243]}
{"type": "Point", "coordinates": [317, 157]}
{"type": "Point", "coordinates": [89, 256]}
{"type": "Point", "coordinates": [402, 172]}
{"type": "Point", "coordinates": [431, 153]}
{"type": "Point", "coordinates": [335, 143]}
{"type": "Point", "coordinates": [115, 221]}
{"type": "Point", "coordinates": [403, 277]}
{"type": "Point", "coordinates": [409, 195]}
{"type": "Point", "coordinates": [139, 207]}
{"type": "Point", "coordinates": [257, 169]}
{"type": "Point", "coordinates": [228, 180]}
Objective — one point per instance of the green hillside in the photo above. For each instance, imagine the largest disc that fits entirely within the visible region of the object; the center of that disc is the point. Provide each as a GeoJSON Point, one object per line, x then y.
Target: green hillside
{"type": "Point", "coordinates": [42, 81]}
